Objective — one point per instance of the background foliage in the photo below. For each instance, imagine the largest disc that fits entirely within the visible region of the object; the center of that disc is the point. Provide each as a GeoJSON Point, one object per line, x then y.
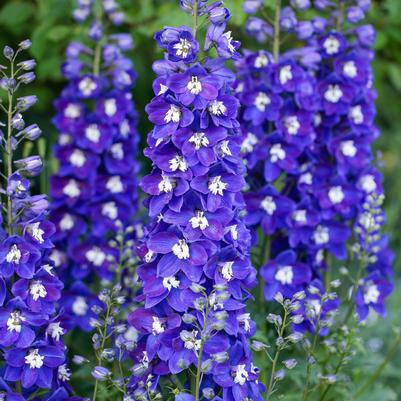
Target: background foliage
{"type": "Point", "coordinates": [49, 25]}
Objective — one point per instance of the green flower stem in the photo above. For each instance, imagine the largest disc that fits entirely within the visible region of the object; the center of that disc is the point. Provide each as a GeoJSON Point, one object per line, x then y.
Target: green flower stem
{"type": "Point", "coordinates": [276, 41]}
{"type": "Point", "coordinates": [279, 348]}
{"type": "Point", "coordinates": [198, 379]}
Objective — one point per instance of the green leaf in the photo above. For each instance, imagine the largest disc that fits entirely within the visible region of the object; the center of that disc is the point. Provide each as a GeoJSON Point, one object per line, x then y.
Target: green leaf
{"type": "Point", "coordinates": [15, 15]}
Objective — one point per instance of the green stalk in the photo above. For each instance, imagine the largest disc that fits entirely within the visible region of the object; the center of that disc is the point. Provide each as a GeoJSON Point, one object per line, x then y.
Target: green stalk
{"type": "Point", "coordinates": [198, 371]}
{"type": "Point", "coordinates": [276, 356]}
{"type": "Point", "coordinates": [276, 40]}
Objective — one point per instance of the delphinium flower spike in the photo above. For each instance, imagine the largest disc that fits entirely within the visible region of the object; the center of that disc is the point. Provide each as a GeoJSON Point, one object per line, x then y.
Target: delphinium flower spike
{"type": "Point", "coordinates": [307, 122]}
{"type": "Point", "coordinates": [196, 272]}
{"type": "Point", "coordinates": [32, 360]}
{"type": "Point", "coordinates": [95, 188]}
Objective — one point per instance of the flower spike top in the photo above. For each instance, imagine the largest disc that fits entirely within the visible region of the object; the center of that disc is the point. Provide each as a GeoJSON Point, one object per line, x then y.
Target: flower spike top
{"type": "Point", "coordinates": [31, 347]}
{"type": "Point", "coordinates": [95, 188]}
{"type": "Point", "coordinates": [196, 271]}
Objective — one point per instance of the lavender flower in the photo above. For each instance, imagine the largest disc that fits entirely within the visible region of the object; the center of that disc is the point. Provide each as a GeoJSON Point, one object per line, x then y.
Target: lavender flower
{"type": "Point", "coordinates": [196, 268]}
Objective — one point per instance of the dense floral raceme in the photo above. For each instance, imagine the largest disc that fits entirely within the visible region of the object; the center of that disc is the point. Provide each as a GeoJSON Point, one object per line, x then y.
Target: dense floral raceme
{"type": "Point", "coordinates": [31, 347]}
{"type": "Point", "coordinates": [307, 125]}
{"type": "Point", "coordinates": [95, 189]}
{"type": "Point", "coordinates": [196, 271]}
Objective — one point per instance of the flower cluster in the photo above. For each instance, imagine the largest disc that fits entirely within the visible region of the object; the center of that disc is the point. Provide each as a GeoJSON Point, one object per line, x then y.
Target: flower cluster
{"type": "Point", "coordinates": [196, 271]}
{"type": "Point", "coordinates": [95, 188]}
{"type": "Point", "coordinates": [307, 124]}
{"type": "Point", "coordinates": [32, 351]}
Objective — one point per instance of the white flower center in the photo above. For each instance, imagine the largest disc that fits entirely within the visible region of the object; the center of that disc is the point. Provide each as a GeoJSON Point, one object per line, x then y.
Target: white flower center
{"type": "Point", "coordinates": [356, 114]}
{"type": "Point", "coordinates": [178, 163]}
{"type": "Point", "coordinates": [199, 220]}
{"type": "Point", "coordinates": [96, 256]}
{"type": "Point", "coordinates": [349, 69]}
{"type": "Point", "coordinates": [231, 48]}
{"type": "Point", "coordinates": [34, 359]}
{"type": "Point", "coordinates": [292, 125]}
{"type": "Point", "coordinates": [233, 231]}
{"type": "Point", "coordinates": [117, 151]}
{"type": "Point", "coordinates": [14, 255]}
{"type": "Point", "coordinates": [77, 158]}
{"type": "Point", "coordinates": [55, 331]}
{"type": "Point", "coordinates": [216, 186]}
{"type": "Point", "coordinates": [166, 184]}
{"type": "Point", "coordinates": [194, 85]}
{"type": "Point", "coordinates": [223, 149]}
{"type": "Point", "coordinates": [115, 185]}
{"type": "Point", "coordinates": [348, 148]}
{"type": "Point", "coordinates": [371, 294]}
{"type": "Point", "coordinates": [336, 195]}
{"type": "Point", "coordinates": [217, 108]}
{"type": "Point", "coordinates": [199, 139]}
{"type": "Point", "coordinates": [245, 320]}
{"type": "Point", "coordinates": [277, 153]}
{"type": "Point", "coordinates": [173, 114]}
{"type": "Point", "coordinates": [92, 132]}
{"type": "Point", "coordinates": [332, 45]}
{"type": "Point", "coordinates": [80, 306]}
{"type": "Point", "coordinates": [87, 86]}
{"type": "Point", "coordinates": [299, 216]}
{"type": "Point", "coordinates": [63, 373]}
{"type": "Point", "coordinates": [321, 235]}
{"type": "Point", "coordinates": [157, 326]}
{"type": "Point", "coordinates": [227, 270]}
{"type": "Point", "coordinates": [241, 375]}
{"type": "Point", "coordinates": [333, 94]}
{"type": "Point", "coordinates": [261, 61]}
{"type": "Point", "coordinates": [181, 249]}
{"type": "Point", "coordinates": [125, 128]}
{"type": "Point", "coordinates": [368, 183]}
{"type": "Point", "coordinates": [72, 189]}
{"type": "Point", "coordinates": [170, 282]}
{"type": "Point", "coordinates": [110, 210]}
{"type": "Point", "coordinates": [249, 143]}
{"type": "Point", "coordinates": [306, 178]}
{"type": "Point", "coordinates": [72, 111]}
{"type": "Point", "coordinates": [14, 322]}
{"type": "Point", "coordinates": [268, 205]}
{"type": "Point", "coordinates": [261, 101]}
{"type": "Point", "coordinates": [182, 48]}
{"type": "Point", "coordinates": [285, 74]}
{"type": "Point", "coordinates": [66, 223]}
{"type": "Point", "coordinates": [285, 275]}
{"type": "Point", "coordinates": [36, 232]}
{"type": "Point", "coordinates": [37, 290]}
{"type": "Point", "coordinates": [110, 107]}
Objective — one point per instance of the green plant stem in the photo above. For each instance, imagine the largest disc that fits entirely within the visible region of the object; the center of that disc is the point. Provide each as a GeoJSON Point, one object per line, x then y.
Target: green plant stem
{"type": "Point", "coordinates": [101, 349]}
{"type": "Point", "coordinates": [195, 22]}
{"type": "Point", "coordinates": [199, 370]}
{"type": "Point", "coordinates": [276, 356]}
{"type": "Point", "coordinates": [309, 365]}
{"type": "Point", "coordinates": [99, 45]}
{"type": "Point", "coordinates": [265, 252]}
{"type": "Point", "coordinates": [9, 152]}
{"type": "Point", "coordinates": [276, 41]}
{"type": "Point", "coordinates": [372, 379]}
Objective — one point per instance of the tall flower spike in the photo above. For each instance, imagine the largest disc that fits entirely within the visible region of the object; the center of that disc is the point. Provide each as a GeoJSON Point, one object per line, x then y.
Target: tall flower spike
{"type": "Point", "coordinates": [95, 188]}
{"type": "Point", "coordinates": [307, 135]}
{"type": "Point", "coordinates": [31, 347]}
{"type": "Point", "coordinates": [196, 271]}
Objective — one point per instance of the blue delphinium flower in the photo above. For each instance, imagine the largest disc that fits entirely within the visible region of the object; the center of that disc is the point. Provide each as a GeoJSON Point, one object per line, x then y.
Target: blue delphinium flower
{"type": "Point", "coordinates": [95, 188]}
{"type": "Point", "coordinates": [196, 268]}
{"type": "Point", "coordinates": [32, 352]}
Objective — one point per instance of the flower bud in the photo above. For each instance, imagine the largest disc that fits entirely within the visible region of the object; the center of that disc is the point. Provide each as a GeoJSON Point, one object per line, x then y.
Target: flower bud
{"type": "Point", "coordinates": [25, 44]}
{"type": "Point", "coordinates": [27, 65]}
{"type": "Point", "coordinates": [101, 373]}
{"type": "Point", "coordinates": [31, 165]}
{"type": "Point", "coordinates": [8, 52]}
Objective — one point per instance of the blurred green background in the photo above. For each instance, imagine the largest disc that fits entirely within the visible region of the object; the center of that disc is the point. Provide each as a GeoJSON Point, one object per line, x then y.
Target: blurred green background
{"type": "Point", "coordinates": [49, 25]}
